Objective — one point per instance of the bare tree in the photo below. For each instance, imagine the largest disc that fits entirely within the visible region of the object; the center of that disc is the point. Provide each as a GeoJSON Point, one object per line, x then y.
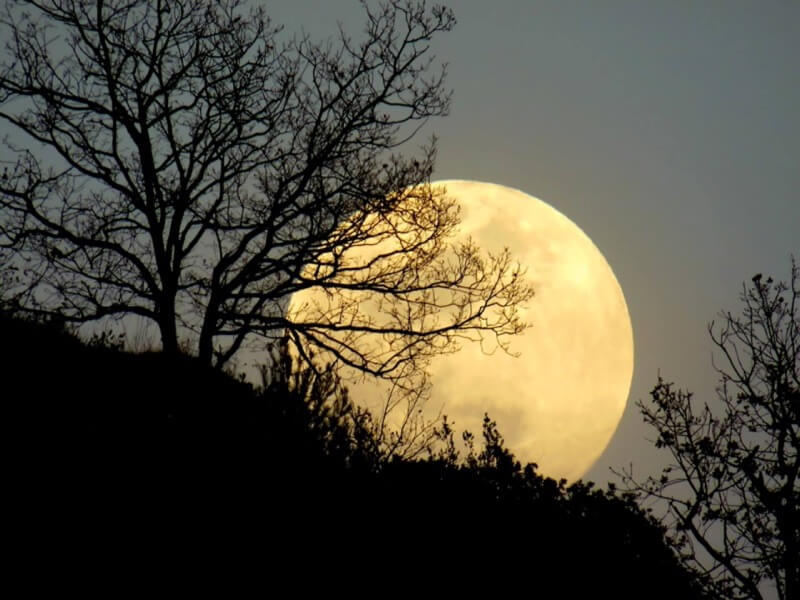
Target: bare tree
{"type": "Point", "coordinates": [732, 490]}
{"type": "Point", "coordinates": [181, 161]}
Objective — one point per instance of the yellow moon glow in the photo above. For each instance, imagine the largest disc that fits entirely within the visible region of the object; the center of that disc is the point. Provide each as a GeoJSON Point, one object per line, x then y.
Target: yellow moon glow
{"type": "Point", "coordinates": [559, 402]}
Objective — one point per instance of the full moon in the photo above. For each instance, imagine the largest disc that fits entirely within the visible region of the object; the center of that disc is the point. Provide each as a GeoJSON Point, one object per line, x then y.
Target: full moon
{"type": "Point", "coordinates": [558, 400]}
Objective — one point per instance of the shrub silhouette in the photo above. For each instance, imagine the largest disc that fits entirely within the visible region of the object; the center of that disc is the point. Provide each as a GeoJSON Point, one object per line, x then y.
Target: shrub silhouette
{"type": "Point", "coordinates": [118, 441]}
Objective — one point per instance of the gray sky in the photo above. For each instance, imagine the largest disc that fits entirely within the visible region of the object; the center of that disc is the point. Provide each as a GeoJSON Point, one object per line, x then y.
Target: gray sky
{"type": "Point", "coordinates": [668, 130]}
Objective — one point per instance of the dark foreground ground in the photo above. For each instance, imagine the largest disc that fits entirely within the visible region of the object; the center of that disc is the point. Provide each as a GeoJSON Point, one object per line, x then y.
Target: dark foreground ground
{"type": "Point", "coordinates": [129, 467]}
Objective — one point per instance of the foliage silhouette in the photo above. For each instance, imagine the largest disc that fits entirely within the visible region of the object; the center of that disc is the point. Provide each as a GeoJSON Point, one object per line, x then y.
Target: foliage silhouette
{"type": "Point", "coordinates": [152, 440]}
{"type": "Point", "coordinates": [203, 169]}
{"type": "Point", "coordinates": [731, 493]}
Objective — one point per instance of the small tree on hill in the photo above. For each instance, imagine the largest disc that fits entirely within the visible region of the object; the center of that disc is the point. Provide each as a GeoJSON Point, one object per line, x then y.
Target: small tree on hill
{"type": "Point", "coordinates": [732, 489]}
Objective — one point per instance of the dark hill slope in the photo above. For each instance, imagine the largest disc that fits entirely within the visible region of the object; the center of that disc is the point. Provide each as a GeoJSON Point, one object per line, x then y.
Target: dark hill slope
{"type": "Point", "coordinates": [168, 459]}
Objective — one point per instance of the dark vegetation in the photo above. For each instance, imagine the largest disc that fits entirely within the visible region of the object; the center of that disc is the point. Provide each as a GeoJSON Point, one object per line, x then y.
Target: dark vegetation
{"type": "Point", "coordinates": [112, 443]}
{"type": "Point", "coordinates": [731, 489]}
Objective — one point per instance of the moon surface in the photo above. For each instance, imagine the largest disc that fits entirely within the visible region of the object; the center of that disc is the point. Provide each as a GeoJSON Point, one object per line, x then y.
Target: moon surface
{"type": "Point", "coordinates": [558, 403]}
{"type": "Point", "coordinates": [560, 400]}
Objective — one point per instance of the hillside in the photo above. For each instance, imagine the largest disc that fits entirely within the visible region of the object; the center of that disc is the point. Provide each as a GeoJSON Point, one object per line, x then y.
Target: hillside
{"type": "Point", "coordinates": [115, 444]}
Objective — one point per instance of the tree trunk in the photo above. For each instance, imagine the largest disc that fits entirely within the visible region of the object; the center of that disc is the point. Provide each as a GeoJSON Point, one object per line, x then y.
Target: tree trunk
{"type": "Point", "coordinates": [205, 345]}
{"type": "Point", "coordinates": [167, 325]}
{"type": "Point", "coordinates": [792, 566]}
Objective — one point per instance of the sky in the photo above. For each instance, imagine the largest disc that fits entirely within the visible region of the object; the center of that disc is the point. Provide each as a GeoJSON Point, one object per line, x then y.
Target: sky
{"type": "Point", "coordinates": [667, 130]}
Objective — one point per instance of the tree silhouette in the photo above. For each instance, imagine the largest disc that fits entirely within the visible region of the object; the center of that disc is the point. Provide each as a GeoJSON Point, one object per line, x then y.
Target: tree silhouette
{"type": "Point", "coordinates": [731, 492]}
{"type": "Point", "coordinates": [181, 161]}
